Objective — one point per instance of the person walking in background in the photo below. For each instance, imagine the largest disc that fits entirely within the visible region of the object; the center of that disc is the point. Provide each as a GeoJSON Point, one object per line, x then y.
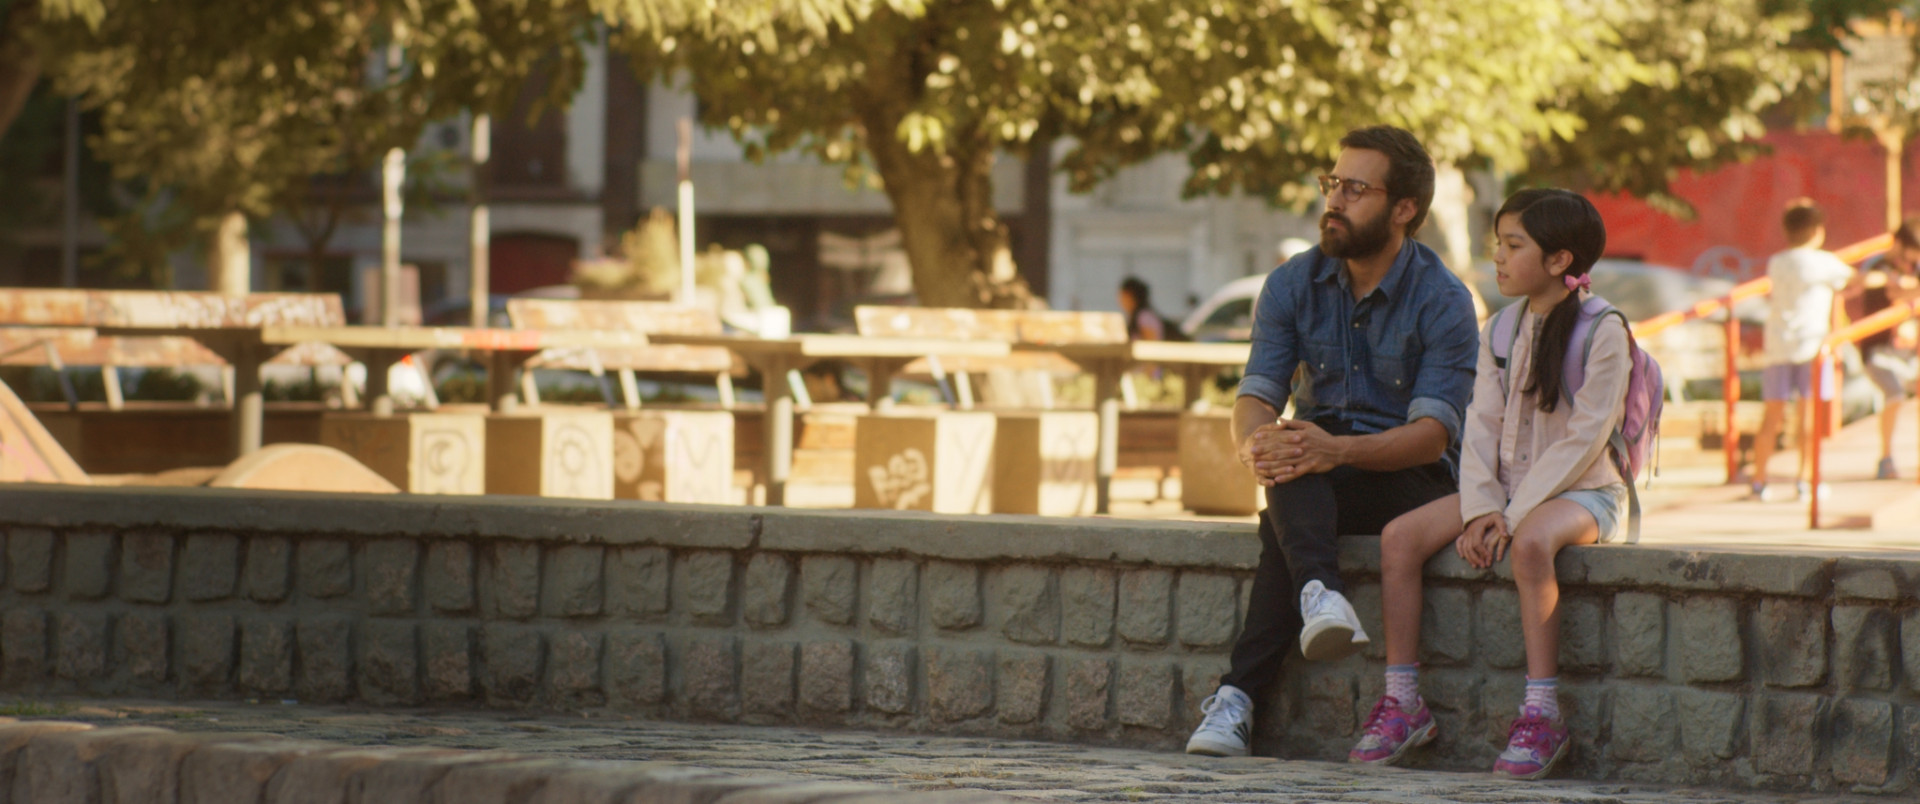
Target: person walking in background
{"type": "Point", "coordinates": [1143, 322]}
{"type": "Point", "coordinates": [1383, 337]}
{"type": "Point", "coordinates": [1799, 319]}
{"type": "Point", "coordinates": [1893, 367]}
{"type": "Point", "coordinates": [1536, 474]}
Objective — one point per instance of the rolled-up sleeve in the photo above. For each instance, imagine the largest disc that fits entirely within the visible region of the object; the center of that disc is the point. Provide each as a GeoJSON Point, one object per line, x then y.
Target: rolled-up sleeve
{"type": "Point", "coordinates": [1276, 342]}
{"type": "Point", "coordinates": [1444, 384]}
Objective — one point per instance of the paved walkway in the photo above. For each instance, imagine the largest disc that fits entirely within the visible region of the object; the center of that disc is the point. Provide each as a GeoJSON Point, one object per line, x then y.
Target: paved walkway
{"type": "Point", "coordinates": [1026, 770]}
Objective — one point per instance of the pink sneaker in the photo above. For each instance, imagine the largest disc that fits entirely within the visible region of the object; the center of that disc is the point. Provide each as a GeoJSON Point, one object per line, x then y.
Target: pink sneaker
{"type": "Point", "coordinates": [1534, 745]}
{"type": "Point", "coordinates": [1391, 731]}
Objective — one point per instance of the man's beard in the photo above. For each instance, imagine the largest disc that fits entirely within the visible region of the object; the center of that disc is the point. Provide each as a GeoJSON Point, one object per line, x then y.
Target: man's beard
{"type": "Point", "coordinates": [1354, 243]}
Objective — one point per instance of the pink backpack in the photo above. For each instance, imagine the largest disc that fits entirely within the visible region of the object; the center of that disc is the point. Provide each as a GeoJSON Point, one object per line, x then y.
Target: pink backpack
{"type": "Point", "coordinates": [1638, 434]}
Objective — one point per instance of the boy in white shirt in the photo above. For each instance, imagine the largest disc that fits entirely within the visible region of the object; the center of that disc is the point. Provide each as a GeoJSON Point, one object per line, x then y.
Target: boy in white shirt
{"type": "Point", "coordinates": [1799, 318]}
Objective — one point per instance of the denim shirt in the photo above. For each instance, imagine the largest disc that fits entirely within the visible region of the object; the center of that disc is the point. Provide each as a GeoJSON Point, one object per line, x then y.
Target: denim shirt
{"type": "Point", "coordinates": [1403, 352]}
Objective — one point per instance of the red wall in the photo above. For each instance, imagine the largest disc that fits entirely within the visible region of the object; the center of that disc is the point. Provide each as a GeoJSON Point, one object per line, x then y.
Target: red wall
{"type": "Point", "coordinates": [1740, 205]}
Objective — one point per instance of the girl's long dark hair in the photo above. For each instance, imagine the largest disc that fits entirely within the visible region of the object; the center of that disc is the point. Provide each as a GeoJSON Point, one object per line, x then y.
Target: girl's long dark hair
{"type": "Point", "coordinates": [1558, 220]}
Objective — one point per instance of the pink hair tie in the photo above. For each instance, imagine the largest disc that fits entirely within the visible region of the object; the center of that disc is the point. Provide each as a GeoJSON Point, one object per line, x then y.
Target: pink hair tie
{"type": "Point", "coordinates": [1577, 283]}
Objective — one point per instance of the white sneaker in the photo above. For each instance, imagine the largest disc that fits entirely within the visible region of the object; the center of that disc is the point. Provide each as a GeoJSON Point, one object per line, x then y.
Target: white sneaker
{"type": "Point", "coordinates": [1228, 727]}
{"type": "Point", "coordinates": [1332, 630]}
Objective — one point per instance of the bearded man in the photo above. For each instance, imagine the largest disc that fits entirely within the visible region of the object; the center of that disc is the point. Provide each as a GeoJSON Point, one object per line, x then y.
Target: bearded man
{"type": "Point", "coordinates": [1384, 339]}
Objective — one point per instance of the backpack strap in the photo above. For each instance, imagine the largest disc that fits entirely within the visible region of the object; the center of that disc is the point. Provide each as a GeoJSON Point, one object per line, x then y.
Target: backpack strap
{"type": "Point", "coordinates": [1574, 374]}
{"type": "Point", "coordinates": [1617, 441]}
{"type": "Point", "coordinates": [1503, 338]}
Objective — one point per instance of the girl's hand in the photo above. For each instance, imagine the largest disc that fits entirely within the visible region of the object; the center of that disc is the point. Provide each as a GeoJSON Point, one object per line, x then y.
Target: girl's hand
{"type": "Point", "coordinates": [1499, 539]}
{"type": "Point", "coordinates": [1471, 542]}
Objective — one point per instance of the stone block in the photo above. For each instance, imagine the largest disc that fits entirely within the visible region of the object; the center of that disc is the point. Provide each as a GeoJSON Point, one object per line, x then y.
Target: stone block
{"type": "Point", "coordinates": [709, 669]}
{"type": "Point", "coordinates": [266, 655]}
{"type": "Point", "coordinates": [1199, 678]}
{"type": "Point", "coordinates": [1643, 724]}
{"type": "Point", "coordinates": [327, 777]}
{"type": "Point", "coordinates": [209, 566]}
{"type": "Point", "coordinates": [1021, 689]}
{"type": "Point", "coordinates": [1086, 606]}
{"type": "Point", "coordinates": [551, 453]}
{"type": "Point", "coordinates": [764, 590]}
{"type": "Point", "coordinates": [512, 781]}
{"type": "Point", "coordinates": [392, 569]}
{"type": "Point", "coordinates": [1446, 626]}
{"type": "Point", "coordinates": [1328, 700]}
{"type": "Point", "coordinates": [390, 662]}
{"type": "Point", "coordinates": [142, 647]}
{"type": "Point", "coordinates": [512, 588]}
{"type": "Point", "coordinates": [79, 645]}
{"type": "Point", "coordinates": [1583, 630]}
{"type": "Point", "coordinates": [1366, 602]}
{"type": "Point", "coordinates": [1146, 606]}
{"type": "Point", "coordinates": [14, 739]}
{"type": "Point", "coordinates": [420, 453]}
{"type": "Point", "coordinates": [573, 666]}
{"type": "Point", "coordinates": [924, 460]}
{"type": "Point", "coordinates": [636, 668]}
{"type": "Point", "coordinates": [1210, 481]}
{"type": "Point", "coordinates": [830, 586]}
{"type": "Point", "coordinates": [953, 594]}
{"type": "Point", "coordinates": [325, 567]}
{"type": "Point", "coordinates": [89, 564]}
{"type": "Point", "coordinates": [1025, 606]}
{"type": "Point", "coordinates": [131, 770]}
{"type": "Point", "coordinates": [1793, 642]}
{"type": "Point", "coordinates": [64, 767]}
{"type": "Point", "coordinates": [268, 570]}
{"type": "Point", "coordinates": [206, 650]}
{"type": "Point", "coordinates": [1639, 633]}
{"type": "Point", "coordinates": [512, 657]}
{"type": "Point", "coordinates": [1709, 725]}
{"type": "Point", "coordinates": [446, 659]}
{"type": "Point", "coordinates": [638, 580]}
{"type": "Point", "coordinates": [146, 567]}
{"type": "Point", "coordinates": [893, 596]}
{"type": "Point", "coordinates": [1862, 748]}
{"type": "Point", "coordinates": [826, 676]}
{"type": "Point", "coordinates": [1866, 579]}
{"type": "Point", "coordinates": [574, 585]}
{"type": "Point", "coordinates": [1786, 733]}
{"type": "Point", "coordinates": [1910, 650]}
{"type": "Point", "coordinates": [1043, 462]}
{"type": "Point", "coordinates": [889, 678]}
{"type": "Point", "coordinates": [221, 773]}
{"type": "Point", "coordinates": [959, 683]}
{"type": "Point", "coordinates": [1207, 612]}
{"type": "Point", "coordinates": [1706, 633]}
{"type": "Point", "coordinates": [29, 559]}
{"type": "Point", "coordinates": [1863, 653]}
{"type": "Point", "coordinates": [681, 456]}
{"type": "Point", "coordinates": [449, 577]}
{"type": "Point", "coordinates": [1496, 629]}
{"type": "Point", "coordinates": [766, 678]}
{"type": "Point", "coordinates": [324, 646]}
{"type": "Point", "coordinates": [1089, 687]}
{"type": "Point", "coordinates": [1145, 693]}
{"type": "Point", "coordinates": [704, 583]}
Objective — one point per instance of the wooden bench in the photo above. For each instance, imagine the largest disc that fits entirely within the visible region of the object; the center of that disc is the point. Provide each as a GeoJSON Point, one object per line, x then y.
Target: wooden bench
{"type": "Point", "coordinates": [651, 318]}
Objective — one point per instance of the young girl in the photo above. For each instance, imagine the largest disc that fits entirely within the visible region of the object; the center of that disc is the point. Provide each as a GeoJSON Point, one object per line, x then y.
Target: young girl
{"type": "Point", "coordinates": [1534, 477]}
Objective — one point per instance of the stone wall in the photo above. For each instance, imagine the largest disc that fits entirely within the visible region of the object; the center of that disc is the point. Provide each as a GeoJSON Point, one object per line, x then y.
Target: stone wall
{"type": "Point", "coordinates": [1795, 672]}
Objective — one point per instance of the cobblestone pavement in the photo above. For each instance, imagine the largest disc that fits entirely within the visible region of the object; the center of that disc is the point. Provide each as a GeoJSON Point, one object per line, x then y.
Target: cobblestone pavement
{"type": "Point", "coordinates": [1028, 770]}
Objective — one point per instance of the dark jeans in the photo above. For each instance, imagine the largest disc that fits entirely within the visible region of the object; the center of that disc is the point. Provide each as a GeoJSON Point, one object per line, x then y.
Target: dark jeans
{"type": "Point", "coordinates": [1298, 544]}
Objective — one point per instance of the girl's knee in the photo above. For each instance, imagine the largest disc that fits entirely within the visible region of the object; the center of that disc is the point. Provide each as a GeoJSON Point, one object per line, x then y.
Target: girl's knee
{"type": "Point", "coordinates": [1532, 552]}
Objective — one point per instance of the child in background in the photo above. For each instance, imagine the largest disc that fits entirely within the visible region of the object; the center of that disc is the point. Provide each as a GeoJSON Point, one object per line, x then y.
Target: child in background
{"type": "Point", "coordinates": [1799, 318]}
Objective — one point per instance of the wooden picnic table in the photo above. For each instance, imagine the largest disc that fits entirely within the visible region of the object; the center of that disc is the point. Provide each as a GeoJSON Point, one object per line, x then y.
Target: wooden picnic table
{"type": "Point", "coordinates": [881, 358]}
{"type": "Point", "coordinates": [510, 349]}
{"type": "Point", "coordinates": [1109, 362]}
{"type": "Point", "coordinates": [229, 326]}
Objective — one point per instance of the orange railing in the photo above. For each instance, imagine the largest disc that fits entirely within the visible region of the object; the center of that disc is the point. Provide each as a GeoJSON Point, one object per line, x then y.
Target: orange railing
{"type": "Point", "coordinates": [1895, 315]}
{"type": "Point", "coordinates": [1751, 289]}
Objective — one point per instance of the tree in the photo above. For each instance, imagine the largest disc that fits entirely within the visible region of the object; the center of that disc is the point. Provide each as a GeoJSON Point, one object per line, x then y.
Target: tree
{"type": "Point", "coordinates": [233, 109]}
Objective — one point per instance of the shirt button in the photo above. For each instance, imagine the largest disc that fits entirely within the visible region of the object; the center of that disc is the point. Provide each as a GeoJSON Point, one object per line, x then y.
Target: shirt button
{"type": "Point", "coordinates": [1356, 367]}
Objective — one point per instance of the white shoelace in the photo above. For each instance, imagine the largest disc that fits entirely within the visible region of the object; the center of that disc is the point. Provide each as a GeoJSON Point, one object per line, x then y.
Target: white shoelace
{"type": "Point", "coordinates": [1222, 712]}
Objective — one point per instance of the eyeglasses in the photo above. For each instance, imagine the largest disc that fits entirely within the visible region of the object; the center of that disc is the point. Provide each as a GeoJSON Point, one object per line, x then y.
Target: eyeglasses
{"type": "Point", "coordinates": [1350, 189]}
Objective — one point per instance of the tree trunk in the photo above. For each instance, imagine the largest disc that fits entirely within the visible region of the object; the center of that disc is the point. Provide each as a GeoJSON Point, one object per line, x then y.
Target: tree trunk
{"type": "Point", "coordinates": [229, 265]}
{"type": "Point", "coordinates": [20, 60]}
{"type": "Point", "coordinates": [1449, 229]}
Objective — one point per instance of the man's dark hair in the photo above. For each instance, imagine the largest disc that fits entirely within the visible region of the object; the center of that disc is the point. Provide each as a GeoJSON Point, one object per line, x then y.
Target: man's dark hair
{"type": "Point", "coordinates": [1909, 233]}
{"type": "Point", "coordinates": [1801, 218]}
{"type": "Point", "coordinates": [1132, 286]}
{"type": "Point", "coordinates": [1409, 168]}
